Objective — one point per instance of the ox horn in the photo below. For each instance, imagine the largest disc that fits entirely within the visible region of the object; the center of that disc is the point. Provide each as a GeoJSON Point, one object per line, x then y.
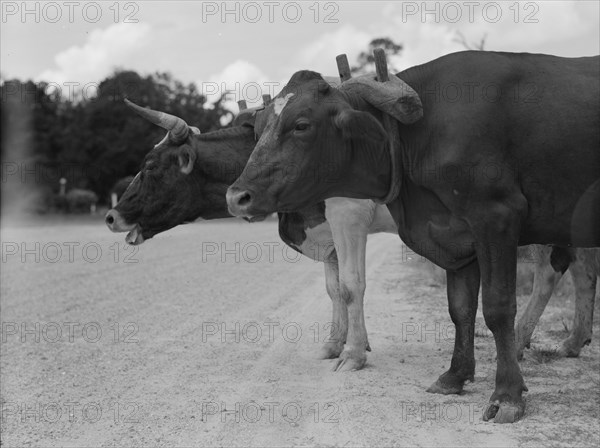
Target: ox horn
{"type": "Point", "coordinates": [176, 126]}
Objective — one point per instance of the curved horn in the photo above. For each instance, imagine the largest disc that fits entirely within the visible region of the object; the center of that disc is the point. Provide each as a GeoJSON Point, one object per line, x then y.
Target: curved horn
{"type": "Point", "coordinates": [176, 126]}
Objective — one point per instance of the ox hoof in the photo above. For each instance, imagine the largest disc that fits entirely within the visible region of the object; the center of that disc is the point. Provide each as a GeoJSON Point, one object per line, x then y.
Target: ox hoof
{"type": "Point", "coordinates": [448, 383]}
{"type": "Point", "coordinates": [504, 412]}
{"type": "Point", "coordinates": [445, 389]}
{"type": "Point", "coordinates": [350, 360]}
{"type": "Point", "coordinates": [570, 348]}
{"type": "Point", "coordinates": [330, 350]}
{"type": "Point", "coordinates": [568, 352]}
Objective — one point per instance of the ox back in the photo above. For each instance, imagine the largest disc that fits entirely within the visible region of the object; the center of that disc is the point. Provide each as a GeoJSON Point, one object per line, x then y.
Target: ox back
{"type": "Point", "coordinates": [523, 122]}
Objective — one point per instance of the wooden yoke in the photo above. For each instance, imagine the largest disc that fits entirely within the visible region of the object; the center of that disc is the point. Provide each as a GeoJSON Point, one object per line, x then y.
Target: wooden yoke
{"type": "Point", "coordinates": [391, 127]}
{"type": "Point", "coordinates": [389, 123]}
{"type": "Point", "coordinates": [343, 67]}
{"type": "Point", "coordinates": [381, 65]}
{"type": "Point", "coordinates": [389, 94]}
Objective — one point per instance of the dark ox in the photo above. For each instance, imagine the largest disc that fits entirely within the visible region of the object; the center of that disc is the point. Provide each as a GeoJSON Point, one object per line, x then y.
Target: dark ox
{"type": "Point", "coordinates": [526, 164]}
{"type": "Point", "coordinates": [334, 232]}
{"type": "Point", "coordinates": [316, 231]}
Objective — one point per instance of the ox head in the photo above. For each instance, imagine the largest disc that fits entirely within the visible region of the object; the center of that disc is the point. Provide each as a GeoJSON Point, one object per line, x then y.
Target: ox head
{"type": "Point", "coordinates": [182, 178]}
{"type": "Point", "coordinates": [314, 144]}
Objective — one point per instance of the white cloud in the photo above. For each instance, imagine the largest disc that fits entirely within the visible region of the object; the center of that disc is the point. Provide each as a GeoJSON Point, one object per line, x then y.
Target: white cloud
{"type": "Point", "coordinates": [425, 42]}
{"type": "Point", "coordinates": [531, 27]}
{"type": "Point", "coordinates": [319, 55]}
{"type": "Point", "coordinates": [240, 80]}
{"type": "Point", "coordinates": [544, 27]}
{"type": "Point", "coordinates": [104, 50]}
{"type": "Point", "coordinates": [246, 81]}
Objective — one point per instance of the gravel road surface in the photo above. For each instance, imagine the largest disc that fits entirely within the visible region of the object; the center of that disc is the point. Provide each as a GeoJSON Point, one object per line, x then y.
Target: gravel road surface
{"type": "Point", "coordinates": [207, 335]}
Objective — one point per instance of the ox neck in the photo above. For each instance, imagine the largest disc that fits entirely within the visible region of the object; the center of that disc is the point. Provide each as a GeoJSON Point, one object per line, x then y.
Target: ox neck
{"type": "Point", "coordinates": [222, 155]}
{"type": "Point", "coordinates": [388, 155]}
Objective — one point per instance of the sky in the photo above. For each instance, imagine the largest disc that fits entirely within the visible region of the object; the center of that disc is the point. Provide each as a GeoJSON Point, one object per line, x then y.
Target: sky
{"type": "Point", "coordinates": [251, 48]}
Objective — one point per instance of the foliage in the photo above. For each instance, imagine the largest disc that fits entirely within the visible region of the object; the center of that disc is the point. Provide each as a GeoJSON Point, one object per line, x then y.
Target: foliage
{"type": "Point", "coordinates": [365, 61]}
{"type": "Point", "coordinates": [91, 141]}
{"type": "Point", "coordinates": [80, 200]}
{"type": "Point", "coordinates": [121, 185]}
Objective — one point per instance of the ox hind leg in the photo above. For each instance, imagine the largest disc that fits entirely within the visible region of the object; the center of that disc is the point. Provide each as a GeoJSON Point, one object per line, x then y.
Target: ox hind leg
{"type": "Point", "coordinates": [463, 291]}
{"type": "Point", "coordinates": [338, 327]}
{"type": "Point", "coordinates": [584, 279]}
{"type": "Point", "coordinates": [544, 282]}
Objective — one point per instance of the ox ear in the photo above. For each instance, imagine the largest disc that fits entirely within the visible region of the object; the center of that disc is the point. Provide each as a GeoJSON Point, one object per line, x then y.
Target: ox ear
{"type": "Point", "coordinates": [187, 158]}
{"type": "Point", "coordinates": [356, 124]}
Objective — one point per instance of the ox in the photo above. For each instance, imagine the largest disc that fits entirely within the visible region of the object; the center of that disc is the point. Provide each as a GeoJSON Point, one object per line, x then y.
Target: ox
{"type": "Point", "coordinates": [526, 170]}
{"type": "Point", "coordinates": [165, 195]}
{"type": "Point", "coordinates": [186, 176]}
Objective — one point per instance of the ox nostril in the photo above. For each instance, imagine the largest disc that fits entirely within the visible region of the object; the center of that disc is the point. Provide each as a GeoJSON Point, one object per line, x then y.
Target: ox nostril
{"type": "Point", "coordinates": [238, 201]}
{"type": "Point", "coordinates": [110, 219]}
{"type": "Point", "coordinates": [244, 198]}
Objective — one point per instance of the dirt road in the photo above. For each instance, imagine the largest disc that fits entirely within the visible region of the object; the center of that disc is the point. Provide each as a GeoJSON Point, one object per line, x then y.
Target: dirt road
{"type": "Point", "coordinates": [208, 334]}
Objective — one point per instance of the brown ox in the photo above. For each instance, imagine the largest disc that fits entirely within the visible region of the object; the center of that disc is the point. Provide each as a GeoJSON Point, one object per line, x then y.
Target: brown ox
{"type": "Point", "coordinates": [526, 164]}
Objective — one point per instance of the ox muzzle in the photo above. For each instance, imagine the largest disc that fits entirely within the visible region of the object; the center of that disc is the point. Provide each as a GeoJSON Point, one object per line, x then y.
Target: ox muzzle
{"type": "Point", "coordinates": [116, 223]}
{"type": "Point", "coordinates": [239, 202]}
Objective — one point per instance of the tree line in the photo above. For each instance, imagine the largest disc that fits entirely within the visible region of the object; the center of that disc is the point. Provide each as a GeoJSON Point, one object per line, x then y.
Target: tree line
{"type": "Point", "coordinates": [92, 139]}
{"type": "Point", "coordinates": [90, 142]}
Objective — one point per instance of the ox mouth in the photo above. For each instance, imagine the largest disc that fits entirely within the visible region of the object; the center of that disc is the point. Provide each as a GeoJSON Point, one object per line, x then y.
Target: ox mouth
{"type": "Point", "coordinates": [256, 218]}
{"type": "Point", "coordinates": [135, 237]}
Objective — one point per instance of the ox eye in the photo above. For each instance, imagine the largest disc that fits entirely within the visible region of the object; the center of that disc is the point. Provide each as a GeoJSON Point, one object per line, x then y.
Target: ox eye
{"type": "Point", "coordinates": [302, 126]}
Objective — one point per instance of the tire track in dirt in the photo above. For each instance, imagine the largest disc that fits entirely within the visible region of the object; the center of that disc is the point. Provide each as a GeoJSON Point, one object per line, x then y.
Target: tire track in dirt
{"type": "Point", "coordinates": [384, 405]}
{"type": "Point", "coordinates": [288, 377]}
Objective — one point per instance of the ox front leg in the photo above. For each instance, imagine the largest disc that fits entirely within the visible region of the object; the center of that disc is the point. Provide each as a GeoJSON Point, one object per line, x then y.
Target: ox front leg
{"type": "Point", "coordinates": [544, 282]}
{"type": "Point", "coordinates": [496, 249]}
{"type": "Point", "coordinates": [584, 278]}
{"type": "Point", "coordinates": [354, 355]}
{"type": "Point", "coordinates": [351, 248]}
{"type": "Point", "coordinates": [338, 330]}
{"type": "Point", "coordinates": [463, 291]}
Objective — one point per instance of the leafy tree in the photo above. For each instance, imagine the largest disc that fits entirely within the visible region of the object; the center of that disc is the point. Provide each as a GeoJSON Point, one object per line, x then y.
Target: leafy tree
{"type": "Point", "coordinates": [365, 61]}
{"type": "Point", "coordinates": [92, 142]}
